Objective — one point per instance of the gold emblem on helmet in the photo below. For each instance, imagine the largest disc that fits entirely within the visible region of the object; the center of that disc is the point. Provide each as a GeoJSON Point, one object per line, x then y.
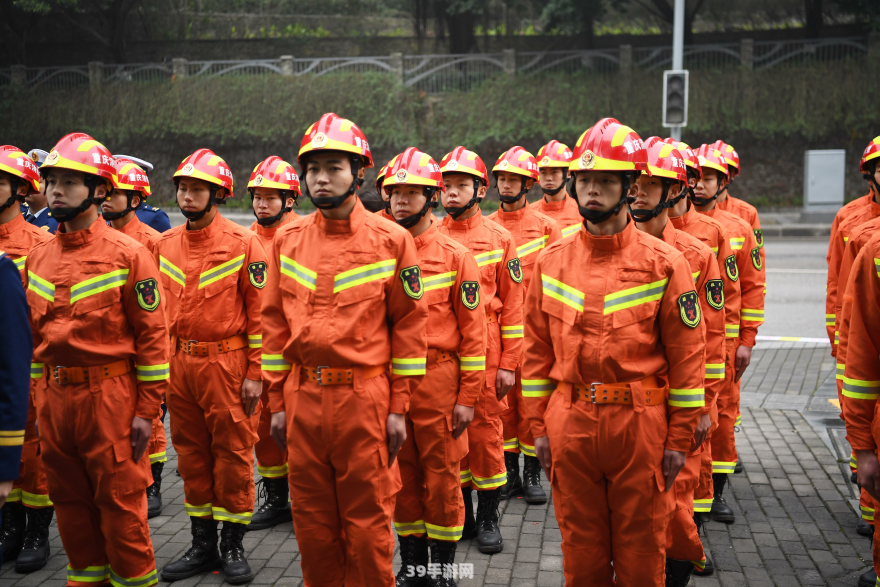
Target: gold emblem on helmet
{"type": "Point", "coordinates": [701, 159]}
{"type": "Point", "coordinates": [52, 159]}
{"type": "Point", "coordinates": [35, 158]}
{"type": "Point", "coordinates": [503, 165]}
{"type": "Point", "coordinates": [319, 140]}
{"type": "Point", "coordinates": [452, 165]}
{"type": "Point", "coordinates": [588, 160]}
{"type": "Point", "coordinates": [258, 181]}
{"type": "Point", "coordinates": [187, 169]}
{"type": "Point", "coordinates": [545, 161]}
{"type": "Point", "coordinates": [401, 176]}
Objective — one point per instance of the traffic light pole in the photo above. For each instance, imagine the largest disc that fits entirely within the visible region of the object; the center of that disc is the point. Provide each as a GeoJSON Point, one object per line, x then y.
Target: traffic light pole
{"type": "Point", "coordinates": [678, 50]}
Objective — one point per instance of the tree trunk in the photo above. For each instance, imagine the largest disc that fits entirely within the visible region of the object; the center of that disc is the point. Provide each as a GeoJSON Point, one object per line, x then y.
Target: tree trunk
{"type": "Point", "coordinates": [461, 32]}
{"type": "Point", "coordinates": [587, 21]}
{"type": "Point", "coordinates": [813, 14]}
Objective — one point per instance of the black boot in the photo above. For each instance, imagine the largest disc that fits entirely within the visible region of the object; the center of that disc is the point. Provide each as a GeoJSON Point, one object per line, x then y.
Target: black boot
{"type": "Point", "coordinates": [678, 573]}
{"type": "Point", "coordinates": [708, 568]}
{"type": "Point", "coordinates": [721, 512]}
{"type": "Point", "coordinates": [864, 528]}
{"type": "Point", "coordinates": [202, 556]}
{"type": "Point", "coordinates": [513, 486]}
{"type": "Point", "coordinates": [276, 504]}
{"type": "Point", "coordinates": [154, 491]}
{"type": "Point", "coordinates": [868, 579]}
{"type": "Point", "coordinates": [532, 489]}
{"type": "Point", "coordinates": [235, 565]}
{"type": "Point", "coordinates": [489, 539]}
{"type": "Point", "coordinates": [854, 478]}
{"type": "Point", "coordinates": [443, 554]}
{"type": "Point", "coordinates": [413, 553]}
{"type": "Point", "coordinates": [738, 468]}
{"type": "Point", "coordinates": [12, 530]}
{"type": "Point", "coordinates": [35, 551]}
{"type": "Point", "coordinates": [470, 525]}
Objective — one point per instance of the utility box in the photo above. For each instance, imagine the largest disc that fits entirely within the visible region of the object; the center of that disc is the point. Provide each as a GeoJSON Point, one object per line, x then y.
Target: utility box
{"type": "Point", "coordinates": [823, 184]}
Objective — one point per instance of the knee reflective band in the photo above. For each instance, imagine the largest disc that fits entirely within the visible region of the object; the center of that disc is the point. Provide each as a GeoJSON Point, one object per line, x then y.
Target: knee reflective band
{"type": "Point", "coordinates": [527, 449]}
{"type": "Point", "coordinates": [485, 483]}
{"type": "Point", "coordinates": [410, 528]}
{"type": "Point", "coordinates": [198, 511]}
{"type": "Point", "coordinates": [465, 476]}
{"type": "Point", "coordinates": [722, 467]}
{"type": "Point", "coordinates": [89, 574]}
{"type": "Point", "coordinates": [150, 578]}
{"type": "Point", "coordinates": [224, 515]}
{"type": "Point", "coordinates": [867, 513]}
{"type": "Point", "coordinates": [273, 472]}
{"type": "Point", "coordinates": [447, 533]}
{"type": "Point", "coordinates": [159, 457]}
{"type": "Point", "coordinates": [35, 500]}
{"type": "Point", "coordinates": [702, 505]}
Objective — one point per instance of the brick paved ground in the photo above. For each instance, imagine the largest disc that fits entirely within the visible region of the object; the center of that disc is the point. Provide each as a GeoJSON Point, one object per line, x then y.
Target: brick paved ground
{"type": "Point", "coordinates": [794, 523]}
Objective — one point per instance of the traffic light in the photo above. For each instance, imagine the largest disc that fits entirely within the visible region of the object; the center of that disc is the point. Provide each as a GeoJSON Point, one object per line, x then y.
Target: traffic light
{"type": "Point", "coordinates": [675, 98]}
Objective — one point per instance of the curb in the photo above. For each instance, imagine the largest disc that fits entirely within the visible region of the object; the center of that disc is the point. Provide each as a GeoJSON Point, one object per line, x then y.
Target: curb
{"type": "Point", "coordinates": [796, 230]}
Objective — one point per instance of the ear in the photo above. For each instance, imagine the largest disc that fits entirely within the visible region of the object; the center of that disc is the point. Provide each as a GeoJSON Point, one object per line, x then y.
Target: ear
{"type": "Point", "coordinates": [289, 203]}
{"type": "Point", "coordinates": [482, 192]}
{"type": "Point", "coordinates": [23, 188]}
{"type": "Point", "coordinates": [529, 183]}
{"type": "Point", "coordinates": [361, 172]}
{"type": "Point", "coordinates": [135, 201]}
{"type": "Point", "coordinates": [101, 191]}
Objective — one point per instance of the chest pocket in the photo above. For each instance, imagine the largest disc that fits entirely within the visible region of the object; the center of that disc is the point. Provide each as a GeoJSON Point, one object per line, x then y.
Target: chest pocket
{"type": "Point", "coordinates": [637, 296]}
{"type": "Point", "coordinates": [362, 277]}
{"type": "Point", "coordinates": [219, 280]}
{"type": "Point", "coordinates": [488, 260]}
{"type": "Point", "coordinates": [92, 299]}
{"type": "Point", "coordinates": [560, 301]}
{"type": "Point", "coordinates": [298, 302]}
{"type": "Point", "coordinates": [439, 281]}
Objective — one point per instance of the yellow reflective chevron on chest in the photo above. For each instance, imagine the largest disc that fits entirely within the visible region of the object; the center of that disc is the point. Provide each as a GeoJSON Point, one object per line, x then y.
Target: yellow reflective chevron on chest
{"type": "Point", "coordinates": [363, 274]}
{"type": "Point", "coordinates": [555, 289]}
{"type": "Point", "coordinates": [220, 271]}
{"type": "Point", "coordinates": [635, 296]}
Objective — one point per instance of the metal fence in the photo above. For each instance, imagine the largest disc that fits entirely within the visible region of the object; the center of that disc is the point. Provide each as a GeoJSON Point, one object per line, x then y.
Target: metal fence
{"type": "Point", "coordinates": [443, 73]}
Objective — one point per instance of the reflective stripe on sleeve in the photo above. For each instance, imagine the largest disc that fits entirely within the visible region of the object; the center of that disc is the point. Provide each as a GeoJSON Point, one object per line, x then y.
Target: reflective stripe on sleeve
{"type": "Point", "coordinates": [537, 387]}
{"type": "Point", "coordinates": [153, 372]}
{"type": "Point", "coordinates": [752, 315]}
{"type": "Point", "coordinates": [19, 263]}
{"type": "Point", "coordinates": [859, 389]}
{"type": "Point", "coordinates": [11, 437]}
{"type": "Point", "coordinates": [408, 366]}
{"type": "Point", "coordinates": [687, 398]}
{"type": "Point", "coordinates": [255, 341]}
{"type": "Point", "coordinates": [714, 370]}
{"type": "Point", "coordinates": [737, 242]}
{"type": "Point", "coordinates": [37, 370]}
{"type": "Point", "coordinates": [274, 363]}
{"type": "Point", "coordinates": [511, 332]}
{"type": "Point", "coordinates": [731, 330]}
{"type": "Point", "coordinates": [473, 364]}
{"type": "Point", "coordinates": [830, 319]}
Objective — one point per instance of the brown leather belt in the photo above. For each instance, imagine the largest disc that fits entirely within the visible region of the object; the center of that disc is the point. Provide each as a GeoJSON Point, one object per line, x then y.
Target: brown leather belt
{"type": "Point", "coordinates": [620, 393]}
{"type": "Point", "coordinates": [202, 349]}
{"type": "Point", "coordinates": [339, 375]}
{"type": "Point", "coordinates": [491, 317]}
{"type": "Point", "coordinates": [438, 356]}
{"type": "Point", "coordinates": [68, 375]}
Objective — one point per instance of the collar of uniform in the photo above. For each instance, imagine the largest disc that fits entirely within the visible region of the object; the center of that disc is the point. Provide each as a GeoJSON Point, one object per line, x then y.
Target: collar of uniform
{"type": "Point", "coordinates": [209, 231]}
{"type": "Point", "coordinates": [612, 242]}
{"type": "Point", "coordinates": [515, 215]}
{"type": "Point", "coordinates": [710, 213]}
{"type": "Point", "coordinates": [38, 212]}
{"type": "Point", "coordinates": [132, 226]}
{"type": "Point", "coordinates": [554, 206]}
{"type": "Point", "coordinates": [81, 237]}
{"type": "Point", "coordinates": [269, 231]}
{"type": "Point", "coordinates": [349, 225]}
{"type": "Point", "coordinates": [472, 222]}
{"type": "Point", "coordinates": [430, 235]}
{"type": "Point", "coordinates": [680, 222]}
{"type": "Point", "coordinates": [12, 226]}
{"type": "Point", "coordinates": [668, 235]}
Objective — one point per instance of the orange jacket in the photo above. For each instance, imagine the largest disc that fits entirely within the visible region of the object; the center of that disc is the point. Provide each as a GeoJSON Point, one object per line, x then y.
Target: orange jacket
{"type": "Point", "coordinates": [612, 309]}
{"type": "Point", "coordinates": [711, 233]}
{"type": "Point", "coordinates": [710, 289]}
{"type": "Point", "coordinates": [848, 219]}
{"type": "Point", "coordinates": [861, 378]}
{"type": "Point", "coordinates": [142, 233]}
{"type": "Point", "coordinates": [17, 238]}
{"type": "Point", "coordinates": [456, 317]}
{"type": "Point", "coordinates": [501, 279]}
{"type": "Point", "coordinates": [383, 213]}
{"type": "Point", "coordinates": [95, 298]}
{"type": "Point", "coordinates": [267, 235]}
{"type": "Point", "coordinates": [858, 238]}
{"type": "Point", "coordinates": [531, 231]}
{"type": "Point", "coordinates": [215, 279]}
{"type": "Point", "coordinates": [748, 213]}
{"type": "Point", "coordinates": [565, 213]}
{"type": "Point", "coordinates": [750, 267]}
{"type": "Point", "coordinates": [349, 294]}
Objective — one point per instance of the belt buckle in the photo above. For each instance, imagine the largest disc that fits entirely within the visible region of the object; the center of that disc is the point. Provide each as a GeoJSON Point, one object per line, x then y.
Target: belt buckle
{"type": "Point", "coordinates": [58, 378]}
{"type": "Point", "coordinates": [593, 391]}
{"type": "Point", "coordinates": [189, 345]}
{"type": "Point", "coordinates": [318, 371]}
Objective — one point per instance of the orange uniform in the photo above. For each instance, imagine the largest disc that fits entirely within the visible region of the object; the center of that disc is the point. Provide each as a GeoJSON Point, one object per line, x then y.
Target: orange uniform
{"type": "Point", "coordinates": [565, 213]}
{"type": "Point", "coordinates": [531, 232]}
{"type": "Point", "coordinates": [383, 213]}
{"type": "Point", "coordinates": [271, 460]}
{"type": "Point", "coordinates": [17, 238]}
{"type": "Point", "coordinates": [98, 321]}
{"type": "Point", "coordinates": [848, 218]}
{"type": "Point", "coordinates": [430, 501]}
{"type": "Point", "coordinates": [349, 296]}
{"type": "Point", "coordinates": [214, 278]}
{"type": "Point", "coordinates": [501, 276]}
{"type": "Point", "coordinates": [683, 539]}
{"type": "Point", "coordinates": [748, 213]}
{"type": "Point", "coordinates": [620, 310]}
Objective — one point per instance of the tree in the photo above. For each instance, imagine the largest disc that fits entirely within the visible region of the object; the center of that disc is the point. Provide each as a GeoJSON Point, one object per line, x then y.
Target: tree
{"type": "Point", "coordinates": [664, 10]}
{"type": "Point", "coordinates": [573, 17]}
{"type": "Point", "coordinates": [866, 11]}
{"type": "Point", "coordinates": [15, 24]}
{"type": "Point", "coordinates": [813, 18]}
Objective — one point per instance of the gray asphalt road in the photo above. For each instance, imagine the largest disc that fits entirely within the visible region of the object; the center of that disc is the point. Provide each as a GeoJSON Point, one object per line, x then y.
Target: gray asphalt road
{"type": "Point", "coordinates": [796, 275]}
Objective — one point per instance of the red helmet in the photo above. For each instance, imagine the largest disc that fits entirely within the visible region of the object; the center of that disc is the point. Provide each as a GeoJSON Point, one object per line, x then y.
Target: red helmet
{"type": "Point", "coordinates": [80, 152]}
{"type": "Point", "coordinates": [664, 160]}
{"type": "Point", "coordinates": [690, 157]}
{"type": "Point", "coordinates": [609, 146]}
{"type": "Point", "coordinates": [131, 176]}
{"type": "Point", "coordinates": [380, 178]}
{"type": "Point", "coordinates": [554, 154]}
{"type": "Point", "coordinates": [275, 172]}
{"type": "Point", "coordinates": [332, 133]}
{"type": "Point", "coordinates": [517, 160]}
{"type": "Point", "coordinates": [205, 165]}
{"type": "Point", "coordinates": [412, 167]}
{"type": "Point", "coordinates": [460, 160]}
{"type": "Point", "coordinates": [712, 158]}
{"type": "Point", "coordinates": [16, 162]}
{"type": "Point", "coordinates": [730, 155]}
{"type": "Point", "coordinates": [872, 151]}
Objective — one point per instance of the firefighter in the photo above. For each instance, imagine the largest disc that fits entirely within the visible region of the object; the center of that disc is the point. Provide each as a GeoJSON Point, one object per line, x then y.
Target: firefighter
{"type": "Point", "coordinates": [385, 210]}
{"type": "Point", "coordinates": [151, 216]}
{"type": "Point", "coordinates": [553, 159]}
{"type": "Point", "coordinates": [515, 172]}
{"type": "Point", "coordinates": [657, 193]}
{"type": "Point", "coordinates": [430, 504]}
{"type": "Point", "coordinates": [848, 218]}
{"type": "Point", "coordinates": [614, 326]}
{"type": "Point", "coordinates": [214, 272]}
{"type": "Point", "coordinates": [466, 181]}
{"type": "Point", "coordinates": [37, 204]}
{"type": "Point", "coordinates": [349, 302]}
{"type": "Point", "coordinates": [24, 532]}
{"type": "Point", "coordinates": [274, 187]}
{"type": "Point", "coordinates": [98, 319]}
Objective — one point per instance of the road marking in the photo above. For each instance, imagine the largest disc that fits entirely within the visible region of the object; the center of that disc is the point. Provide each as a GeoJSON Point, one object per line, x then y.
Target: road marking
{"type": "Point", "coordinates": [792, 339]}
{"type": "Point", "coordinates": [807, 271]}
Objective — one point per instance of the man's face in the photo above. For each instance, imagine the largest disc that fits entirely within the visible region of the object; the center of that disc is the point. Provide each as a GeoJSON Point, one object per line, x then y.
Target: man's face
{"type": "Point", "coordinates": [6, 187]}
{"type": "Point", "coordinates": [551, 177]}
{"type": "Point", "coordinates": [66, 188]}
{"type": "Point", "coordinates": [406, 200]}
{"type": "Point", "coordinates": [193, 195]}
{"type": "Point", "coordinates": [37, 200]}
{"type": "Point", "coordinates": [459, 190]}
{"type": "Point", "coordinates": [709, 185]}
{"type": "Point", "coordinates": [648, 194]}
{"type": "Point", "coordinates": [509, 184]}
{"type": "Point", "coordinates": [599, 190]}
{"type": "Point", "coordinates": [268, 203]}
{"type": "Point", "coordinates": [117, 201]}
{"type": "Point", "coordinates": [877, 173]}
{"type": "Point", "coordinates": [328, 174]}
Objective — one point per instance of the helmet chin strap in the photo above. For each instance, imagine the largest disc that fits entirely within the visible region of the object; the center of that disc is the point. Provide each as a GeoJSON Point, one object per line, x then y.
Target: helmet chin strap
{"type": "Point", "coordinates": [14, 182]}
{"type": "Point", "coordinates": [594, 216]}
{"type": "Point", "coordinates": [455, 212]}
{"type": "Point", "coordinates": [430, 204]}
{"type": "Point", "coordinates": [639, 215]}
{"type": "Point", "coordinates": [67, 214]}
{"type": "Point", "coordinates": [705, 201]}
{"type": "Point", "coordinates": [270, 220]}
{"type": "Point", "coordinates": [512, 199]}
{"type": "Point", "coordinates": [198, 215]}
{"type": "Point", "coordinates": [331, 202]}
{"type": "Point", "coordinates": [110, 216]}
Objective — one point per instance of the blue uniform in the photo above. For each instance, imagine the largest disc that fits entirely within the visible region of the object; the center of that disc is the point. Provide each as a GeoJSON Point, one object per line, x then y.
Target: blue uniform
{"type": "Point", "coordinates": [153, 217]}
{"type": "Point", "coordinates": [16, 349]}
{"type": "Point", "coordinates": [44, 221]}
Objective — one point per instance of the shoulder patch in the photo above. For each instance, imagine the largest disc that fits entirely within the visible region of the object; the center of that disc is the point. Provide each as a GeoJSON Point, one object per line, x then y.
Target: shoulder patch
{"type": "Point", "coordinates": [730, 268]}
{"type": "Point", "coordinates": [412, 282]}
{"type": "Point", "coordinates": [257, 274]}
{"type": "Point", "coordinates": [147, 294]}
{"type": "Point", "coordinates": [756, 258]}
{"type": "Point", "coordinates": [715, 293]}
{"type": "Point", "coordinates": [759, 237]}
{"type": "Point", "coordinates": [470, 294]}
{"type": "Point", "coordinates": [689, 308]}
{"type": "Point", "coordinates": [515, 269]}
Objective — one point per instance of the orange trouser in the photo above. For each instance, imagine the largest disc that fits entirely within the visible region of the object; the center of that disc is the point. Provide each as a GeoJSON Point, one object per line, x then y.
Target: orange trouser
{"type": "Point", "coordinates": [682, 538]}
{"type": "Point", "coordinates": [158, 443]}
{"type": "Point", "coordinates": [271, 460]}
{"type": "Point", "coordinates": [705, 491]}
{"type": "Point", "coordinates": [340, 480]}
{"type": "Point", "coordinates": [608, 493]}
{"type": "Point", "coordinates": [98, 490]}
{"type": "Point", "coordinates": [213, 436]}
{"type": "Point", "coordinates": [430, 501]}
{"type": "Point", "coordinates": [517, 432]}
{"type": "Point", "coordinates": [724, 455]}
{"type": "Point", "coordinates": [31, 488]}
